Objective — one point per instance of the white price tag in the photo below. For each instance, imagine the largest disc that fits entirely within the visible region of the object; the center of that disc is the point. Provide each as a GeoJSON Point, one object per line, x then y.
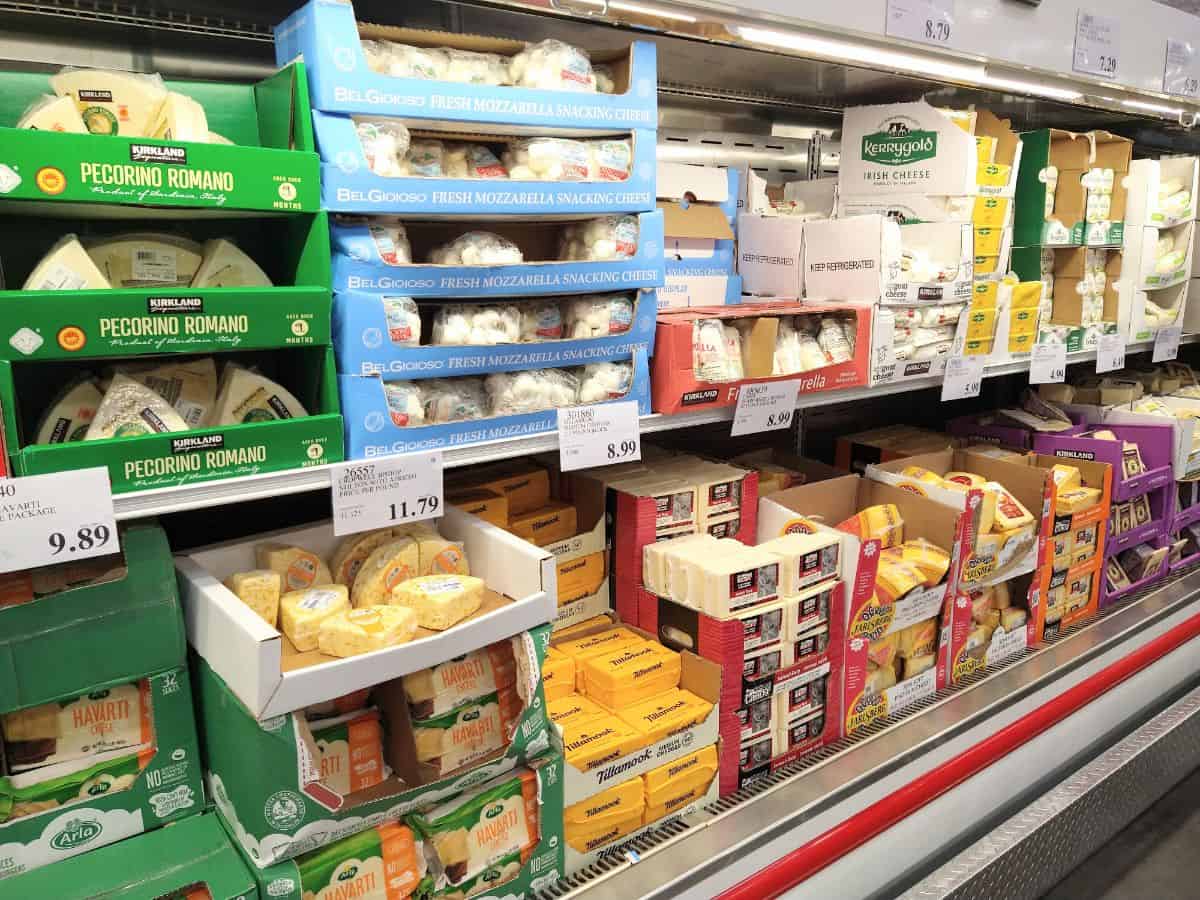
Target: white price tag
{"type": "Point", "coordinates": [56, 518]}
{"type": "Point", "coordinates": [1110, 354]}
{"type": "Point", "coordinates": [1181, 69]}
{"type": "Point", "coordinates": [964, 377]}
{"type": "Point", "coordinates": [926, 21]}
{"type": "Point", "coordinates": [598, 435]}
{"type": "Point", "coordinates": [1048, 364]}
{"type": "Point", "coordinates": [1097, 44]}
{"type": "Point", "coordinates": [386, 491]}
{"type": "Point", "coordinates": [1166, 343]}
{"type": "Point", "coordinates": [765, 407]}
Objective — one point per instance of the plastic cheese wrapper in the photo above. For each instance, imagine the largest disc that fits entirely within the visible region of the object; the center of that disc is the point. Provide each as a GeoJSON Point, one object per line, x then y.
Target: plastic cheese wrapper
{"type": "Point", "coordinates": [189, 385]}
{"type": "Point", "coordinates": [472, 161]}
{"type": "Point", "coordinates": [514, 393]}
{"type": "Point", "coordinates": [881, 522]}
{"type": "Point", "coordinates": [552, 65]}
{"type": "Point", "coordinates": [481, 838]}
{"type": "Point", "coordinates": [930, 560]}
{"type": "Point", "coordinates": [51, 787]}
{"type": "Point", "coordinates": [468, 733]}
{"type": "Point", "coordinates": [364, 629]}
{"type": "Point", "coordinates": [558, 675]}
{"type": "Point", "coordinates": [599, 240]}
{"type": "Point", "coordinates": [110, 719]}
{"type": "Point", "coordinates": [384, 143]}
{"type": "Point", "coordinates": [48, 113]}
{"type": "Point", "coordinates": [590, 743]}
{"type": "Point", "coordinates": [548, 159]}
{"type": "Point", "coordinates": [477, 248]}
{"type": "Point", "coordinates": [460, 680]}
{"type": "Point", "coordinates": [895, 577]}
{"type": "Point", "coordinates": [390, 239]}
{"type": "Point", "coordinates": [350, 748]}
{"type": "Point", "coordinates": [245, 396]}
{"type": "Point", "coordinates": [477, 324]}
{"type": "Point", "coordinates": [598, 315]}
{"type": "Point", "coordinates": [130, 409]}
{"type": "Point", "coordinates": [665, 714]}
{"type": "Point", "coordinates": [611, 805]}
{"type": "Point", "coordinates": [425, 159]}
{"type": "Point", "coordinates": [605, 381]}
{"type": "Point", "coordinates": [439, 602]}
{"type": "Point", "coordinates": [302, 612]}
{"type": "Point", "coordinates": [298, 568]}
{"type": "Point", "coordinates": [112, 102]}
{"type": "Point", "coordinates": [403, 320]}
{"type": "Point", "coordinates": [624, 676]}
{"type": "Point", "coordinates": [386, 861]}
{"type": "Point", "coordinates": [144, 259]}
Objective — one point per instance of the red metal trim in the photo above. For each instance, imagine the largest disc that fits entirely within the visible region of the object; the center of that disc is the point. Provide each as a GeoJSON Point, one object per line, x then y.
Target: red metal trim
{"type": "Point", "coordinates": [804, 862]}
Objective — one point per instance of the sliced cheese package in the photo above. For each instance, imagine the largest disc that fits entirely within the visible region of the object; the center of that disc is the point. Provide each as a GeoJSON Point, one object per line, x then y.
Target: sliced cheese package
{"type": "Point", "coordinates": [467, 734]}
{"type": "Point", "coordinates": [590, 743]}
{"type": "Point", "coordinates": [808, 560]}
{"type": "Point", "coordinates": [351, 751]}
{"type": "Point", "coordinates": [665, 714]}
{"type": "Point", "coordinates": [881, 523]}
{"type": "Point", "coordinates": [297, 567]}
{"type": "Point", "coordinates": [443, 687]}
{"type": "Point", "coordinates": [612, 805]}
{"type": "Point", "coordinates": [302, 612]}
{"type": "Point", "coordinates": [260, 590]}
{"type": "Point", "coordinates": [364, 629]}
{"type": "Point", "coordinates": [70, 413]}
{"type": "Point", "coordinates": [440, 601]}
{"type": "Point", "coordinates": [625, 676]}
{"type": "Point", "coordinates": [66, 267]}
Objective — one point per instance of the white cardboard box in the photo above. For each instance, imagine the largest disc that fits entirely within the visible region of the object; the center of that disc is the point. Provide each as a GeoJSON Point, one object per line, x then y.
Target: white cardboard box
{"type": "Point", "coordinates": [1142, 186]}
{"type": "Point", "coordinates": [249, 655]}
{"type": "Point", "coordinates": [771, 256]}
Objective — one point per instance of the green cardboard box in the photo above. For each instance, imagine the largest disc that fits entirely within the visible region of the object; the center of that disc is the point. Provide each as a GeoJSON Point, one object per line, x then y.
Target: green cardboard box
{"type": "Point", "coordinates": [194, 853]}
{"type": "Point", "coordinates": [71, 642]}
{"type": "Point", "coordinates": [167, 788]}
{"type": "Point", "coordinates": [264, 777]}
{"type": "Point", "coordinates": [285, 880]}
{"type": "Point", "coordinates": [261, 171]}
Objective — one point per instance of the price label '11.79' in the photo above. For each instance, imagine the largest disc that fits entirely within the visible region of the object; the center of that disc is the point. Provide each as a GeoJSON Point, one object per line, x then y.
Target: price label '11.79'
{"type": "Point", "coordinates": [390, 490]}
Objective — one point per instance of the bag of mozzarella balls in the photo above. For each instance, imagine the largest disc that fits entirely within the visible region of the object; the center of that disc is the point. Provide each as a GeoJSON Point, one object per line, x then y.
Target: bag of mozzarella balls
{"type": "Point", "coordinates": [598, 240]}
{"type": "Point", "coordinates": [552, 65]}
{"type": "Point", "coordinates": [477, 248]}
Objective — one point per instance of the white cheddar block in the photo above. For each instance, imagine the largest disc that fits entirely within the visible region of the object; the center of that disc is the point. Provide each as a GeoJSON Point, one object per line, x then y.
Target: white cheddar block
{"type": "Point", "coordinates": [66, 267]}
{"type": "Point", "coordinates": [386, 567]}
{"type": "Point", "coordinates": [808, 559]}
{"type": "Point", "coordinates": [735, 581]}
{"type": "Point", "coordinates": [298, 568]}
{"type": "Point", "coordinates": [260, 590]}
{"type": "Point", "coordinates": [354, 631]}
{"type": "Point", "coordinates": [680, 561]}
{"type": "Point", "coordinates": [440, 601]}
{"type": "Point", "coordinates": [654, 559]}
{"type": "Point", "coordinates": [302, 612]}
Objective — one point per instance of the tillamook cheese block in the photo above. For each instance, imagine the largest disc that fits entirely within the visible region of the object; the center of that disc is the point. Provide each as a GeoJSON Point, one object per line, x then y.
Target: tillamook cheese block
{"type": "Point", "coordinates": [246, 396]}
{"type": "Point", "coordinates": [441, 688]}
{"type": "Point", "coordinates": [351, 751]}
{"type": "Point", "coordinates": [587, 838]}
{"type": "Point", "coordinates": [591, 743]}
{"type": "Point", "coordinates": [112, 102]}
{"type": "Point", "coordinates": [440, 601]}
{"type": "Point", "coordinates": [366, 628]}
{"type": "Point", "coordinates": [298, 567]}
{"type": "Point", "coordinates": [625, 676]}
{"type": "Point", "coordinates": [698, 767]}
{"type": "Point", "coordinates": [525, 486]}
{"type": "Point", "coordinates": [581, 649]}
{"type": "Point", "coordinates": [489, 505]}
{"type": "Point", "coordinates": [66, 267]}
{"type": "Point", "coordinates": [385, 862]}
{"type": "Point", "coordinates": [130, 409]}
{"type": "Point", "coordinates": [665, 714]}
{"type": "Point", "coordinates": [466, 734]}
{"type": "Point", "coordinates": [189, 385]}
{"type": "Point", "coordinates": [353, 551]}
{"type": "Point", "coordinates": [386, 567]}
{"type": "Point", "coordinates": [574, 708]}
{"type": "Point", "coordinates": [558, 675]}
{"type": "Point", "coordinates": [180, 118]}
{"type": "Point", "coordinates": [616, 803]}
{"type": "Point", "coordinates": [260, 590]}
{"type": "Point", "coordinates": [302, 612]}
{"type": "Point", "coordinates": [70, 414]}
{"type": "Point", "coordinates": [52, 114]}
{"type": "Point", "coordinates": [550, 523]}
{"type": "Point", "coordinates": [145, 260]}
{"type": "Point", "coordinates": [225, 265]}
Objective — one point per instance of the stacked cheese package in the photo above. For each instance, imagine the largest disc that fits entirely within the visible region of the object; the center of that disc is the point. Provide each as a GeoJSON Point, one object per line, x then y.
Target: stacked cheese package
{"type": "Point", "coordinates": [379, 589]}
{"type": "Point", "coordinates": [621, 704]}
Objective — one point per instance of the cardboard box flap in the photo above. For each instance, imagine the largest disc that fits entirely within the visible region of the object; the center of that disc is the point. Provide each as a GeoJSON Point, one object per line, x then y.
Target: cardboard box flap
{"type": "Point", "coordinates": [694, 220]}
{"type": "Point", "coordinates": [679, 181]}
{"type": "Point", "coordinates": [987, 124]}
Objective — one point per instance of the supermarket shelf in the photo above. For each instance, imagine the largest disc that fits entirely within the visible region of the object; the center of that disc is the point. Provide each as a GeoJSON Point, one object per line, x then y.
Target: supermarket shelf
{"type": "Point", "coordinates": [914, 786]}
{"type": "Point", "coordinates": [161, 501]}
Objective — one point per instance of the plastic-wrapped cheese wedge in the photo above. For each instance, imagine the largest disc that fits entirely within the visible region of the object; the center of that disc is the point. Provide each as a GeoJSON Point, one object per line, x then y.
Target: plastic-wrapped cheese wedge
{"type": "Point", "coordinates": [71, 412]}
{"type": "Point", "coordinates": [53, 114]}
{"type": "Point", "coordinates": [130, 409]}
{"type": "Point", "coordinates": [225, 265]}
{"type": "Point", "coordinates": [302, 612]}
{"type": "Point", "coordinates": [879, 680]}
{"type": "Point", "coordinates": [882, 653]}
{"type": "Point", "coordinates": [896, 577]}
{"type": "Point", "coordinates": [1010, 514]}
{"type": "Point", "coordinates": [386, 567]}
{"type": "Point", "coordinates": [931, 560]}
{"type": "Point", "coordinates": [923, 475]}
{"type": "Point", "coordinates": [917, 640]}
{"type": "Point", "coordinates": [247, 396]}
{"type": "Point", "coordinates": [964, 480]}
{"type": "Point", "coordinates": [144, 259]}
{"type": "Point", "coordinates": [665, 714]}
{"type": "Point", "coordinates": [353, 551]}
{"type": "Point", "coordinates": [601, 810]}
{"type": "Point", "coordinates": [260, 590]}
{"type": "Point", "coordinates": [440, 601]}
{"type": "Point", "coordinates": [189, 385]}
{"type": "Point", "coordinates": [112, 102]}
{"type": "Point", "coordinates": [594, 742]}
{"type": "Point", "coordinates": [881, 522]}
{"type": "Point", "coordinates": [297, 567]}
{"type": "Point", "coordinates": [628, 675]}
{"type": "Point", "coordinates": [1078, 499]}
{"type": "Point", "coordinates": [366, 628]}
{"type": "Point", "coordinates": [1065, 477]}
{"type": "Point", "coordinates": [66, 267]}
{"type": "Point", "coordinates": [915, 665]}
{"type": "Point", "coordinates": [439, 556]}
{"type": "Point", "coordinates": [180, 118]}
{"type": "Point", "coordinates": [440, 688]}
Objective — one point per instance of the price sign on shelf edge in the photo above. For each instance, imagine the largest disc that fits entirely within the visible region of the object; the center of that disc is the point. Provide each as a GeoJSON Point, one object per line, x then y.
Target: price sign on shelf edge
{"type": "Point", "coordinates": [1110, 353]}
{"type": "Point", "coordinates": [1097, 44]}
{"type": "Point", "coordinates": [56, 518]}
{"type": "Point", "coordinates": [600, 435]}
{"type": "Point", "coordinates": [1048, 364]}
{"type": "Point", "coordinates": [1181, 69]}
{"type": "Point", "coordinates": [1166, 343]}
{"type": "Point", "coordinates": [767, 406]}
{"type": "Point", "coordinates": [389, 490]}
{"type": "Point", "coordinates": [923, 21]}
{"type": "Point", "coordinates": [963, 379]}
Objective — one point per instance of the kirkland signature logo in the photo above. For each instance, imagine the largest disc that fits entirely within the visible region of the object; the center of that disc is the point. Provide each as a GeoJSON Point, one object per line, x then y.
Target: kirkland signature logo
{"type": "Point", "coordinates": [174, 305]}
{"type": "Point", "coordinates": [194, 444]}
{"type": "Point", "coordinates": [158, 153]}
{"type": "Point", "coordinates": [896, 144]}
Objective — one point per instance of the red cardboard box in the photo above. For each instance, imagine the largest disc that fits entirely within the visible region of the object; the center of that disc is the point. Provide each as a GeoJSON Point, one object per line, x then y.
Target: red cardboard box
{"type": "Point", "coordinates": [673, 381]}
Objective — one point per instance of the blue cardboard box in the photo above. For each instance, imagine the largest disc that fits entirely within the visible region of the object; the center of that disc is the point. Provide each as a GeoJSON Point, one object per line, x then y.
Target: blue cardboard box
{"type": "Point", "coordinates": [371, 432]}
{"type": "Point", "coordinates": [363, 347]}
{"type": "Point", "coordinates": [329, 38]}
{"type": "Point", "coordinates": [349, 185]}
{"type": "Point", "coordinates": [700, 208]}
{"type": "Point", "coordinates": [357, 265]}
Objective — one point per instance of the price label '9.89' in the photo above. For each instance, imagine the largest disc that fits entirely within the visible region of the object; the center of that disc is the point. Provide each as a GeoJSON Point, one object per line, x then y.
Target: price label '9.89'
{"type": "Point", "coordinates": [56, 518]}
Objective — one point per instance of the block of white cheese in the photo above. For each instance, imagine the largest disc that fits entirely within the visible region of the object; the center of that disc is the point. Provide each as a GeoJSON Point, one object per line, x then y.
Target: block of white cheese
{"type": "Point", "coordinates": [299, 568]}
{"type": "Point", "coordinates": [70, 414]}
{"type": "Point", "coordinates": [732, 582]}
{"type": "Point", "coordinates": [53, 114]}
{"type": "Point", "coordinates": [682, 560]}
{"type": "Point", "coordinates": [66, 267]}
{"type": "Point", "coordinates": [189, 385]}
{"type": "Point", "coordinates": [180, 118]}
{"type": "Point", "coordinates": [655, 556]}
{"type": "Point", "coordinates": [146, 260]}
{"type": "Point", "coordinates": [389, 564]}
{"type": "Point", "coordinates": [440, 601]}
{"type": "Point", "coordinates": [225, 265]}
{"type": "Point", "coordinates": [353, 551]}
{"type": "Point", "coordinates": [112, 102]}
{"type": "Point", "coordinates": [808, 559]}
{"type": "Point", "coordinates": [246, 396]}
{"type": "Point", "coordinates": [130, 409]}
{"type": "Point", "coordinates": [366, 628]}
{"type": "Point", "coordinates": [260, 590]}
{"type": "Point", "coordinates": [302, 612]}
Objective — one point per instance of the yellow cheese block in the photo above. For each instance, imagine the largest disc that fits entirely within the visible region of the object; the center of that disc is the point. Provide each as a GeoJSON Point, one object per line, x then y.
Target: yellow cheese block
{"type": "Point", "coordinates": [439, 556]}
{"type": "Point", "coordinates": [580, 649]}
{"type": "Point", "coordinates": [1066, 478]}
{"type": "Point", "coordinates": [993, 174]}
{"type": "Point", "coordinates": [883, 651]}
{"type": "Point", "coordinates": [628, 675]}
{"type": "Point", "coordinates": [584, 840]}
{"type": "Point", "coordinates": [985, 150]}
{"type": "Point", "coordinates": [931, 560]}
{"type": "Point", "coordinates": [574, 708]}
{"type": "Point", "coordinates": [615, 804]}
{"type": "Point", "coordinates": [297, 567]}
{"type": "Point", "coordinates": [879, 680]}
{"type": "Point", "coordinates": [587, 626]}
{"type": "Point", "coordinates": [1026, 295]}
{"type": "Point", "coordinates": [697, 767]}
{"type": "Point", "coordinates": [882, 523]}
{"type": "Point", "coordinates": [386, 567]}
{"type": "Point", "coordinates": [895, 577]}
{"type": "Point", "coordinates": [917, 640]}
{"type": "Point", "coordinates": [1010, 513]}
{"type": "Point", "coordinates": [546, 525]}
{"type": "Point", "coordinates": [915, 665]}
{"type": "Point", "coordinates": [923, 475]}
{"type": "Point", "coordinates": [302, 612]}
{"type": "Point", "coordinates": [666, 714]}
{"type": "Point", "coordinates": [489, 505]}
{"type": "Point", "coordinates": [990, 212]}
{"type": "Point", "coordinates": [579, 578]}
{"type": "Point", "coordinates": [981, 324]}
{"type": "Point", "coordinates": [1077, 500]}
{"type": "Point", "coordinates": [353, 551]}
{"type": "Point", "coordinates": [558, 674]}
{"type": "Point", "coordinates": [1011, 618]}
{"type": "Point", "coordinates": [524, 485]}
{"type": "Point", "coordinates": [365, 628]}
{"type": "Point", "coordinates": [984, 295]}
{"type": "Point", "coordinates": [594, 742]}
{"type": "Point", "coordinates": [259, 590]}
{"type": "Point", "coordinates": [440, 601]}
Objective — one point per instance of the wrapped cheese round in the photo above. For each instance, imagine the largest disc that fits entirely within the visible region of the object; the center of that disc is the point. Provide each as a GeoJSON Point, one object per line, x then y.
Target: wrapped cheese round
{"type": "Point", "coordinates": [710, 361]}
{"type": "Point", "coordinates": [609, 160]}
